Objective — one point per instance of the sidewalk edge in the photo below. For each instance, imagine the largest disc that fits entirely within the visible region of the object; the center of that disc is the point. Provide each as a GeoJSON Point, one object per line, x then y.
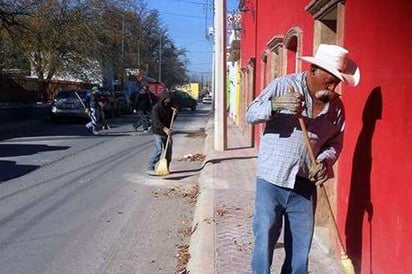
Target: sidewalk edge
{"type": "Point", "coordinates": [202, 241]}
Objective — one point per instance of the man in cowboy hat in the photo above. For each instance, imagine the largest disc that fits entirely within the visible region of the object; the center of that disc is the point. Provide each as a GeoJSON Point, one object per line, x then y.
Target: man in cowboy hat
{"type": "Point", "coordinates": [286, 177]}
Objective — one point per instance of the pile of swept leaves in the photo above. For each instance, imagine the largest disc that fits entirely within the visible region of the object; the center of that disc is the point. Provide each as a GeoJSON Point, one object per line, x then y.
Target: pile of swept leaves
{"type": "Point", "coordinates": [190, 193]}
{"type": "Point", "coordinates": [198, 157]}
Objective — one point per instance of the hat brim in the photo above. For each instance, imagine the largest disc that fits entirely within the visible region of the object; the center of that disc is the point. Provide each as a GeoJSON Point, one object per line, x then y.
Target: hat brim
{"type": "Point", "coordinates": [351, 75]}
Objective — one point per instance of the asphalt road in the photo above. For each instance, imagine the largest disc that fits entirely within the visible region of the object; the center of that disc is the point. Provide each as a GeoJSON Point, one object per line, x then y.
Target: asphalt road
{"type": "Point", "coordinates": [71, 202]}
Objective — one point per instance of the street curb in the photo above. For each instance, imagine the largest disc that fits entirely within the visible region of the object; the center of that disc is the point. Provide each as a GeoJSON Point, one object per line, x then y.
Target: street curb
{"type": "Point", "coordinates": [202, 242]}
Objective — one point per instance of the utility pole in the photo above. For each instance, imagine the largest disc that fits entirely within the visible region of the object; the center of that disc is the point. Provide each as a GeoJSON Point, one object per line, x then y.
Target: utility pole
{"type": "Point", "coordinates": [138, 54]}
{"type": "Point", "coordinates": [122, 50]}
{"type": "Point", "coordinates": [160, 58]}
{"type": "Point", "coordinates": [220, 142]}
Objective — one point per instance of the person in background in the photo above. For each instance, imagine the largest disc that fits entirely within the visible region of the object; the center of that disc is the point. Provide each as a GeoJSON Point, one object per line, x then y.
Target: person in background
{"type": "Point", "coordinates": [103, 102]}
{"type": "Point", "coordinates": [286, 178]}
{"type": "Point", "coordinates": [143, 105]}
{"type": "Point", "coordinates": [107, 84]}
{"type": "Point", "coordinates": [162, 113]}
{"type": "Point", "coordinates": [92, 108]}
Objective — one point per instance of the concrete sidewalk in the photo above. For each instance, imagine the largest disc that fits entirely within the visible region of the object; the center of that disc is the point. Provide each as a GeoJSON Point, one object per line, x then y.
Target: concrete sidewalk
{"type": "Point", "coordinates": [222, 236]}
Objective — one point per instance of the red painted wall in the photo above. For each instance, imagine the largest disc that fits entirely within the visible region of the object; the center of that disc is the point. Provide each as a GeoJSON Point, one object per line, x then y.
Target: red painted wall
{"type": "Point", "coordinates": [248, 34]}
{"type": "Point", "coordinates": [374, 192]}
{"type": "Point", "coordinates": [271, 18]}
{"type": "Point", "coordinates": [375, 164]}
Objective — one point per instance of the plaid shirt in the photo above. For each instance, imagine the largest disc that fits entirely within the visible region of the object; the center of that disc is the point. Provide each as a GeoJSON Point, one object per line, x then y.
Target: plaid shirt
{"type": "Point", "coordinates": [282, 153]}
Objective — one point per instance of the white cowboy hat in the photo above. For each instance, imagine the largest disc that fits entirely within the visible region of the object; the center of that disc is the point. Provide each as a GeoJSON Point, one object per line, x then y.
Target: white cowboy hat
{"type": "Point", "coordinates": [334, 59]}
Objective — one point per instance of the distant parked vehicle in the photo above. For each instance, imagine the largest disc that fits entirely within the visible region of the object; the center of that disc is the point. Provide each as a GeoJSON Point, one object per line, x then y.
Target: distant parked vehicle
{"type": "Point", "coordinates": [184, 99]}
{"type": "Point", "coordinates": [66, 104]}
{"type": "Point", "coordinates": [125, 104]}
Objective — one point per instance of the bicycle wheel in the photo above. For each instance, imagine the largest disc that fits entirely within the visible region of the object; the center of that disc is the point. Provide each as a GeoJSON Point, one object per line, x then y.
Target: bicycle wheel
{"type": "Point", "coordinates": [141, 122]}
{"type": "Point", "coordinates": [137, 124]}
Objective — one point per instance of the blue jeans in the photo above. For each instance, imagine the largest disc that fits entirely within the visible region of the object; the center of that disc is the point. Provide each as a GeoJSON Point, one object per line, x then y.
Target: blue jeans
{"type": "Point", "coordinates": [272, 205]}
{"type": "Point", "coordinates": [159, 142]}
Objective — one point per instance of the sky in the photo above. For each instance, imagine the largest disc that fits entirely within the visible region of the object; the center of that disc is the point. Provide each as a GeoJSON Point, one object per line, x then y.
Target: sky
{"type": "Point", "coordinates": [187, 22]}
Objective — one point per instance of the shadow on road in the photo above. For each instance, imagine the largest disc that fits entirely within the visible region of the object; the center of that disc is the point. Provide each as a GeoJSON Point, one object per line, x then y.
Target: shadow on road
{"type": "Point", "coordinates": [39, 128]}
{"type": "Point", "coordinates": [8, 150]}
{"type": "Point", "coordinates": [9, 170]}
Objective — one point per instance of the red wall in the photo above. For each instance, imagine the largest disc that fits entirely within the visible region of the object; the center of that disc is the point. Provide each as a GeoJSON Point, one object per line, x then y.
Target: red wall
{"type": "Point", "coordinates": [273, 19]}
{"type": "Point", "coordinates": [375, 163]}
{"type": "Point", "coordinates": [248, 35]}
{"type": "Point", "coordinates": [374, 210]}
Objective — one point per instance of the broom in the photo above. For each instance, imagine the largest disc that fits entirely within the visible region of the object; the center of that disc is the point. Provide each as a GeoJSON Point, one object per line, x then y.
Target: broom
{"type": "Point", "coordinates": [345, 260]}
{"type": "Point", "coordinates": [84, 107]}
{"type": "Point", "coordinates": [162, 168]}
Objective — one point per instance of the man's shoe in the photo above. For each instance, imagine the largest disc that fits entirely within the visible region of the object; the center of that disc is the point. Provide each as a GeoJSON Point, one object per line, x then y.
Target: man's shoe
{"type": "Point", "coordinates": [89, 129]}
{"type": "Point", "coordinates": [151, 172]}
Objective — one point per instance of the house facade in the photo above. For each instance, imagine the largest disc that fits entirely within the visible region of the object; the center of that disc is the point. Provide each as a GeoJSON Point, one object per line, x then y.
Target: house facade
{"type": "Point", "coordinates": [370, 192]}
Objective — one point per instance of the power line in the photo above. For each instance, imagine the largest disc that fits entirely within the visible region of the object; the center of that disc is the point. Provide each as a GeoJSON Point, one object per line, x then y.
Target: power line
{"type": "Point", "coordinates": [200, 51]}
{"type": "Point", "coordinates": [200, 72]}
{"type": "Point", "coordinates": [204, 63]}
{"type": "Point", "coordinates": [190, 2]}
{"type": "Point", "coordinates": [193, 42]}
{"type": "Point", "coordinates": [181, 15]}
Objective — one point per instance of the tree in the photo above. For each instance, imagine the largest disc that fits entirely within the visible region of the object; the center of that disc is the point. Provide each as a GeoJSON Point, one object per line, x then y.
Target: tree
{"type": "Point", "coordinates": [58, 39]}
{"type": "Point", "coordinates": [12, 14]}
{"type": "Point", "coordinates": [173, 65]}
{"type": "Point", "coordinates": [79, 38]}
{"type": "Point", "coordinates": [173, 59]}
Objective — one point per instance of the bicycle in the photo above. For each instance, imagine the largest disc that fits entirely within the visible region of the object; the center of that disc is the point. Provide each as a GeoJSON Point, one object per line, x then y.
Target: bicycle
{"type": "Point", "coordinates": [144, 121]}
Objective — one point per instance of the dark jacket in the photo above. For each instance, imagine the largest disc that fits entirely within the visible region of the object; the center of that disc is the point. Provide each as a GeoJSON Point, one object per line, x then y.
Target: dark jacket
{"type": "Point", "coordinates": [91, 100]}
{"type": "Point", "coordinates": [162, 114]}
{"type": "Point", "coordinates": [144, 101]}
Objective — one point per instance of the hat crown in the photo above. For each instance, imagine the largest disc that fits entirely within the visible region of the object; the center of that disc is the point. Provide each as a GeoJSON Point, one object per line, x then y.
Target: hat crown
{"type": "Point", "coordinates": [333, 55]}
{"type": "Point", "coordinates": [336, 61]}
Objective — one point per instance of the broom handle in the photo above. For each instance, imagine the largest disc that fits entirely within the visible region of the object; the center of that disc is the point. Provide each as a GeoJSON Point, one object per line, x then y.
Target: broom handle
{"type": "Point", "coordinates": [84, 107]}
{"type": "Point", "coordinates": [80, 99]}
{"type": "Point", "coordinates": [307, 141]}
{"type": "Point", "coordinates": [313, 159]}
{"type": "Point", "coordinates": [342, 249]}
{"type": "Point", "coordinates": [168, 136]}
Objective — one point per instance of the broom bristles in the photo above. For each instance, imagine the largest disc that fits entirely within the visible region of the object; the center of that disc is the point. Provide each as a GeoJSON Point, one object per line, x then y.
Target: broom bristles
{"type": "Point", "coordinates": [347, 264]}
{"type": "Point", "coordinates": [162, 168]}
